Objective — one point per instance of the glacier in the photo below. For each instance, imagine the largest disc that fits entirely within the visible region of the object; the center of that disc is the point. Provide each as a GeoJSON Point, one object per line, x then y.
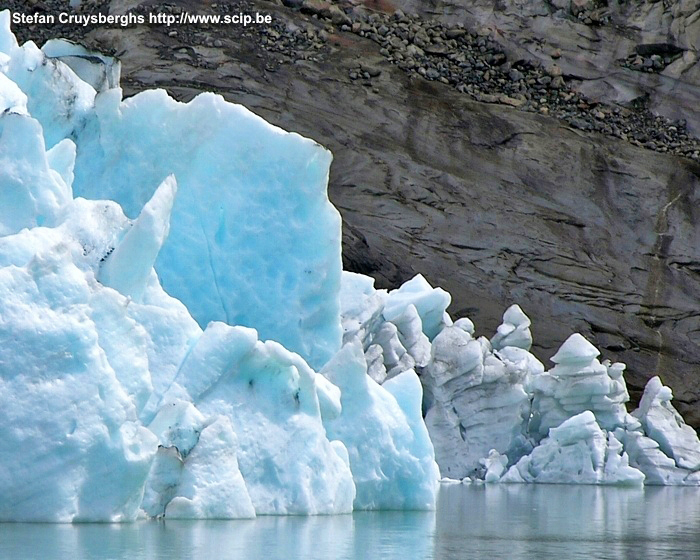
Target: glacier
{"type": "Point", "coordinates": [120, 399]}
{"type": "Point", "coordinates": [178, 338]}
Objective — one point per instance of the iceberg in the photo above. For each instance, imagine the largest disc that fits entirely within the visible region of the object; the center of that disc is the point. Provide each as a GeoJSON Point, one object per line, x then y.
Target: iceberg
{"type": "Point", "coordinates": [120, 400]}
{"type": "Point", "coordinates": [99, 71]}
{"type": "Point", "coordinates": [394, 345]}
{"type": "Point", "coordinates": [495, 414]}
{"type": "Point", "coordinates": [252, 218]}
{"type": "Point", "coordinates": [34, 193]}
{"type": "Point", "coordinates": [475, 398]}
{"type": "Point", "coordinates": [494, 465]}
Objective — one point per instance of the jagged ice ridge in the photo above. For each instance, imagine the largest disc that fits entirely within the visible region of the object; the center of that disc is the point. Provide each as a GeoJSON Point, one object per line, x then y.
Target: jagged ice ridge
{"type": "Point", "coordinates": [495, 414]}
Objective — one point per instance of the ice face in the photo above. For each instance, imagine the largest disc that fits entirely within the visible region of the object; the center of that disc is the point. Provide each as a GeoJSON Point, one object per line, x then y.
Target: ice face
{"type": "Point", "coordinates": [660, 443]}
{"type": "Point", "coordinates": [211, 485]}
{"type": "Point", "coordinates": [475, 400]}
{"type": "Point", "coordinates": [80, 359]}
{"type": "Point", "coordinates": [576, 349]}
{"type": "Point", "coordinates": [56, 97]}
{"type": "Point", "coordinates": [494, 465]}
{"type": "Point", "coordinates": [128, 267]}
{"type": "Point", "coordinates": [394, 345]}
{"type": "Point", "coordinates": [8, 43]}
{"type": "Point", "coordinates": [251, 219]}
{"type": "Point", "coordinates": [663, 424]}
{"type": "Point", "coordinates": [489, 408]}
{"type": "Point", "coordinates": [361, 307]}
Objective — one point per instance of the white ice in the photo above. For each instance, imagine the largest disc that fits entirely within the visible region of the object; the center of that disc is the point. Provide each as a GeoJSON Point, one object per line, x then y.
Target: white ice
{"type": "Point", "coordinates": [431, 304]}
{"type": "Point", "coordinates": [514, 331]}
{"type": "Point", "coordinates": [477, 400]}
{"type": "Point", "coordinates": [390, 452]}
{"type": "Point", "coordinates": [578, 382]}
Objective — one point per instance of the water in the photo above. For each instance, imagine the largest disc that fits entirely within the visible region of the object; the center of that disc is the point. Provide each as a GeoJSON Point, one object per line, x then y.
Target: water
{"type": "Point", "coordinates": [492, 521]}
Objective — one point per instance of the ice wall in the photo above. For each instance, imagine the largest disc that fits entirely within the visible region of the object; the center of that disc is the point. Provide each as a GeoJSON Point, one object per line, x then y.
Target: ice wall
{"type": "Point", "coordinates": [115, 402]}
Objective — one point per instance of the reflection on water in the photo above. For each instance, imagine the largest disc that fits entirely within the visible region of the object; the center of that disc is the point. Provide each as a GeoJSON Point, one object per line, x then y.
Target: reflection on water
{"type": "Point", "coordinates": [542, 521]}
{"type": "Point", "coordinates": [396, 535]}
{"type": "Point", "coordinates": [486, 521]}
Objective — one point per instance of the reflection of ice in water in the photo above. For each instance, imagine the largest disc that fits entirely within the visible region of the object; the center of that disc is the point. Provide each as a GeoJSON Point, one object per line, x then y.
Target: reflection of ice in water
{"type": "Point", "coordinates": [533, 521]}
{"type": "Point", "coordinates": [512, 522]}
{"type": "Point", "coordinates": [401, 535]}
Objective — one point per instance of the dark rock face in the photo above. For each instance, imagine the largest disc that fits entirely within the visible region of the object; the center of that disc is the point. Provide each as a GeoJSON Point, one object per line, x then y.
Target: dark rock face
{"type": "Point", "coordinates": [586, 232]}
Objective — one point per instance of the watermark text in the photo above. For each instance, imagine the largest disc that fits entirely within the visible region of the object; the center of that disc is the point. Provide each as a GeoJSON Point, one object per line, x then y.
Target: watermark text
{"type": "Point", "coordinates": [129, 19]}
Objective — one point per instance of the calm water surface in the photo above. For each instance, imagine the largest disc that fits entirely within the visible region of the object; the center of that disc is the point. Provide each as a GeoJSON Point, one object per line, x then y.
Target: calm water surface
{"type": "Point", "coordinates": [494, 521]}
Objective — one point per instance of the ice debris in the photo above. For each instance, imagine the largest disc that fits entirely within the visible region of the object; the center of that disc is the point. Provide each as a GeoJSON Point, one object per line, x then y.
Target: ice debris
{"type": "Point", "coordinates": [494, 413]}
{"type": "Point", "coordinates": [576, 452]}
